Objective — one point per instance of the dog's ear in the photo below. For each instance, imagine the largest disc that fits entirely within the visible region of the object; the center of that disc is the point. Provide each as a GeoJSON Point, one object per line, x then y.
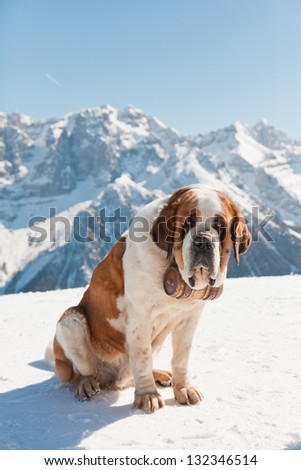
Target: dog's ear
{"type": "Point", "coordinates": [165, 230]}
{"type": "Point", "coordinates": [240, 236]}
{"type": "Point", "coordinates": [237, 232]}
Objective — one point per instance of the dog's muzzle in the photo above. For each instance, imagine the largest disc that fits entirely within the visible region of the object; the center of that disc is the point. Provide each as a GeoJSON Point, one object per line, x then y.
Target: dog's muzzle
{"type": "Point", "coordinates": [202, 256]}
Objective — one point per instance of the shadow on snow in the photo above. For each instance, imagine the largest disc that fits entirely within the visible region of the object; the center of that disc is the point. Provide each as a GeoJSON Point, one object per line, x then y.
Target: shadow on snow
{"type": "Point", "coordinates": [46, 415]}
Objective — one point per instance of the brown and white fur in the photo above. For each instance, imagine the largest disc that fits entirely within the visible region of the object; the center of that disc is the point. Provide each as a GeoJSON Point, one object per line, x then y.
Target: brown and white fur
{"type": "Point", "coordinates": [108, 340]}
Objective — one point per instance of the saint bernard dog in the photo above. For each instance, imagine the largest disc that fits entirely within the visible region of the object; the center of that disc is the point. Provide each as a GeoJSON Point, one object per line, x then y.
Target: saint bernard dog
{"type": "Point", "coordinates": [151, 283]}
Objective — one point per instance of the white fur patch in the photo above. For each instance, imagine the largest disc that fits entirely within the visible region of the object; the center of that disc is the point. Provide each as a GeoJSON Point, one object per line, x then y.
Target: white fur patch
{"type": "Point", "coordinates": [49, 356]}
{"type": "Point", "coordinates": [72, 336]}
{"type": "Point", "coordinates": [209, 204]}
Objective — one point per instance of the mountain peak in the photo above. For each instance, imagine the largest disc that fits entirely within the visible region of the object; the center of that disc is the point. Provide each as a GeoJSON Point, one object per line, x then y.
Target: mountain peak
{"type": "Point", "coordinates": [131, 113]}
{"type": "Point", "coordinates": [19, 119]}
{"type": "Point", "coordinates": [131, 109]}
{"type": "Point", "coordinates": [263, 122]}
{"type": "Point", "coordinates": [269, 136]}
{"type": "Point", "coordinates": [240, 126]}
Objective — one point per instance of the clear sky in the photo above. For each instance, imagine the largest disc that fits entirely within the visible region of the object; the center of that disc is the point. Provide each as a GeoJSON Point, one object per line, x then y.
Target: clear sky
{"type": "Point", "coordinates": [195, 64]}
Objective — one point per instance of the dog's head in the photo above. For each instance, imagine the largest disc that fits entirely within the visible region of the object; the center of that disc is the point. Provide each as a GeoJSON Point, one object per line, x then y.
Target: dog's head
{"type": "Point", "coordinates": [197, 228]}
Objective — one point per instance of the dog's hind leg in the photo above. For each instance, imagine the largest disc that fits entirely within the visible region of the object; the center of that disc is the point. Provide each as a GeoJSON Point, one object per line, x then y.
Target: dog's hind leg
{"type": "Point", "coordinates": [74, 357]}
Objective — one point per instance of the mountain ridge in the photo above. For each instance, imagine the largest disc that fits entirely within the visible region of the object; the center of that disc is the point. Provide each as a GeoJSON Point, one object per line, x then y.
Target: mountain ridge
{"type": "Point", "coordinates": [103, 157]}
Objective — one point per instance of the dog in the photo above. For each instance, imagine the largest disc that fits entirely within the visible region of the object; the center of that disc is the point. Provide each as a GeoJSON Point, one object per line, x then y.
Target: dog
{"type": "Point", "coordinates": [151, 283]}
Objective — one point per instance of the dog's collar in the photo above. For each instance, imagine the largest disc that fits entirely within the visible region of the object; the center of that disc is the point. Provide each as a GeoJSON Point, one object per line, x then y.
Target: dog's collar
{"type": "Point", "coordinates": [176, 287]}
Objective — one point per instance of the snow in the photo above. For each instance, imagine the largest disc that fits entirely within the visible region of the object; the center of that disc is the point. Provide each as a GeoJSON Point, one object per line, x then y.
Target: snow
{"type": "Point", "coordinates": [245, 359]}
{"type": "Point", "coordinates": [18, 241]}
{"type": "Point", "coordinates": [22, 211]}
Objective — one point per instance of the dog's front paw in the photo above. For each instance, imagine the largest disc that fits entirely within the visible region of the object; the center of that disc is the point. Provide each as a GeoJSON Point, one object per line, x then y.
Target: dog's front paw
{"type": "Point", "coordinates": [148, 401]}
{"type": "Point", "coordinates": [88, 387]}
{"type": "Point", "coordinates": [187, 395]}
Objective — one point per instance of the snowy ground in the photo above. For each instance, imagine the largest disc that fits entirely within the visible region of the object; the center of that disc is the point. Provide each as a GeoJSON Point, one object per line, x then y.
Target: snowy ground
{"type": "Point", "coordinates": [246, 360]}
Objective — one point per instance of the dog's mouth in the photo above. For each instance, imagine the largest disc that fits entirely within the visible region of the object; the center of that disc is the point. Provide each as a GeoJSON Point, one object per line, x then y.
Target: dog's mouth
{"type": "Point", "coordinates": [201, 274]}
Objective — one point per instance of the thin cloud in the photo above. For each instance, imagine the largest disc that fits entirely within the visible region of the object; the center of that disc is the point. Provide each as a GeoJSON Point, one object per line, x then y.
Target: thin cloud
{"type": "Point", "coordinates": [54, 81]}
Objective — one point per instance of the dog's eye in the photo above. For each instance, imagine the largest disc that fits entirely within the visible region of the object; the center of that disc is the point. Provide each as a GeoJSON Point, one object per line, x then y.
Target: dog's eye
{"type": "Point", "coordinates": [218, 225]}
{"type": "Point", "coordinates": [187, 224]}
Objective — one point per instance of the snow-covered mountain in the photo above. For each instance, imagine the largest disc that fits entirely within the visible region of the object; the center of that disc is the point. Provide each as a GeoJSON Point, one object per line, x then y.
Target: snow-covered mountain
{"type": "Point", "coordinates": [98, 158]}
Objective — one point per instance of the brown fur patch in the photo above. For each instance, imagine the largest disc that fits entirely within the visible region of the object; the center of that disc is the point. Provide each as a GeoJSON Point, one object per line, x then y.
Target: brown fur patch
{"type": "Point", "coordinates": [98, 306]}
{"type": "Point", "coordinates": [167, 230]}
{"type": "Point", "coordinates": [99, 303]}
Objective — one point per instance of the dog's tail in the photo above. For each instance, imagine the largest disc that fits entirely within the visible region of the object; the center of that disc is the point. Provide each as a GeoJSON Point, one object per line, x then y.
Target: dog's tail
{"type": "Point", "coordinates": [49, 356]}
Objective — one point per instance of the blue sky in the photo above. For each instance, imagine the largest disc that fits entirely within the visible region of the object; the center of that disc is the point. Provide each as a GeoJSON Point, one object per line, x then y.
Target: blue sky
{"type": "Point", "coordinates": [195, 64]}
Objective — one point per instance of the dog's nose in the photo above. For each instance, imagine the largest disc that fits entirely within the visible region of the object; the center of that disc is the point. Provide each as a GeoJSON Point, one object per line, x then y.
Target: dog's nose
{"type": "Point", "coordinates": [202, 242]}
